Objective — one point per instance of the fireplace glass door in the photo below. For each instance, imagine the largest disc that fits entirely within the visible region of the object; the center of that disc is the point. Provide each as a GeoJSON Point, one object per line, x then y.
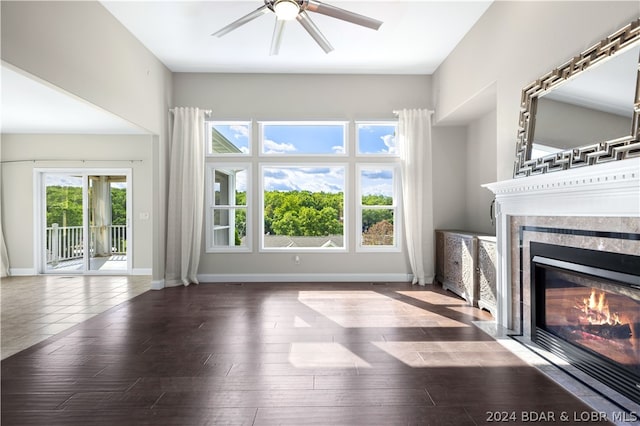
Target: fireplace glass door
{"type": "Point", "coordinates": [594, 314]}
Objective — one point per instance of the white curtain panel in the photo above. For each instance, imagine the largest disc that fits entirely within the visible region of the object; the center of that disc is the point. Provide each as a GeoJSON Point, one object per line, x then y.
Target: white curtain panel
{"type": "Point", "coordinates": [414, 140]}
{"type": "Point", "coordinates": [186, 197]}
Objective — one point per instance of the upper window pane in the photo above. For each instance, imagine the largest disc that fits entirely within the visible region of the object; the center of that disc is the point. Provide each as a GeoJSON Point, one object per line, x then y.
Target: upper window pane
{"type": "Point", "coordinates": [376, 186]}
{"type": "Point", "coordinates": [377, 138]}
{"type": "Point", "coordinates": [313, 138]}
{"type": "Point", "coordinates": [228, 138]}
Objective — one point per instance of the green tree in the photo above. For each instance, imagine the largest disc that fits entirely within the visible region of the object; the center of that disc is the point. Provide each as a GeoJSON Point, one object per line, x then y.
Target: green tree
{"type": "Point", "coordinates": [64, 205]}
{"type": "Point", "coordinates": [118, 206]}
{"type": "Point", "coordinates": [303, 213]}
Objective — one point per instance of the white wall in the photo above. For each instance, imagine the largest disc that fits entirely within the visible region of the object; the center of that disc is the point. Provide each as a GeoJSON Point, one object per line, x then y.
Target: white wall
{"type": "Point", "coordinates": [296, 97]}
{"type": "Point", "coordinates": [81, 48]}
{"type": "Point", "coordinates": [514, 43]}
{"type": "Point", "coordinates": [71, 151]}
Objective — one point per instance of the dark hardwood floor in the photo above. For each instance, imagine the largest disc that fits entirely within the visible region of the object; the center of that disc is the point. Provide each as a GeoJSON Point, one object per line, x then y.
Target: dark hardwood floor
{"type": "Point", "coordinates": [263, 354]}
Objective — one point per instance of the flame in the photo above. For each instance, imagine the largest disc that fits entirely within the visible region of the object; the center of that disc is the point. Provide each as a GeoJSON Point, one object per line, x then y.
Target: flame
{"type": "Point", "coordinates": [596, 310]}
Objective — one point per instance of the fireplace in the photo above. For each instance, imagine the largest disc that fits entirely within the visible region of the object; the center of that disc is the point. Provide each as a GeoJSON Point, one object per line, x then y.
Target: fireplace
{"type": "Point", "coordinates": [585, 308]}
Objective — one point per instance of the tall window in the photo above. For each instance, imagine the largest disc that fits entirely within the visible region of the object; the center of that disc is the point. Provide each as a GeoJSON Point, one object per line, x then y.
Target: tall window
{"type": "Point", "coordinates": [377, 207]}
{"type": "Point", "coordinates": [227, 216]}
{"type": "Point", "coordinates": [304, 186]}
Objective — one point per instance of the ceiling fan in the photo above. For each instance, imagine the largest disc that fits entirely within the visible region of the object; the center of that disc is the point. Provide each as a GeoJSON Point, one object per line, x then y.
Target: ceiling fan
{"type": "Point", "coordinates": [287, 10]}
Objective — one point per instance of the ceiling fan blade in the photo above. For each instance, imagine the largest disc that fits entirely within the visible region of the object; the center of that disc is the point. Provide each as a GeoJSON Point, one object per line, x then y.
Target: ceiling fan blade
{"type": "Point", "coordinates": [345, 15]}
{"type": "Point", "coordinates": [239, 22]}
{"type": "Point", "coordinates": [314, 32]}
{"type": "Point", "coordinates": [276, 40]}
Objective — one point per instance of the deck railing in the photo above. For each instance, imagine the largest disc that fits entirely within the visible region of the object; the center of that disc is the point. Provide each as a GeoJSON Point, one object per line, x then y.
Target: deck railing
{"type": "Point", "coordinates": [67, 242]}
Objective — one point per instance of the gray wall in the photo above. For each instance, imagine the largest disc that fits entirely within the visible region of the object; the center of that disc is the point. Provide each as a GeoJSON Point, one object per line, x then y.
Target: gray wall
{"type": "Point", "coordinates": [297, 97]}
{"type": "Point", "coordinates": [81, 48]}
{"type": "Point", "coordinates": [71, 151]}
{"type": "Point", "coordinates": [513, 44]}
{"type": "Point", "coordinates": [449, 177]}
{"type": "Point", "coordinates": [481, 168]}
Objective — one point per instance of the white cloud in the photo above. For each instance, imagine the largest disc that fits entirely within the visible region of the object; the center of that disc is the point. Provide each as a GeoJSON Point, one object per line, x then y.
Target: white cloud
{"type": "Point", "coordinates": [390, 142]}
{"type": "Point", "coordinates": [297, 178]}
{"type": "Point", "coordinates": [240, 131]}
{"type": "Point", "coordinates": [338, 149]}
{"type": "Point", "coordinates": [272, 147]}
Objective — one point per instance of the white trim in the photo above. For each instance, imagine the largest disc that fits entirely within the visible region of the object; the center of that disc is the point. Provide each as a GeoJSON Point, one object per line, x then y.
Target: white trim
{"type": "Point", "coordinates": [21, 272]}
{"type": "Point", "coordinates": [157, 284]}
{"type": "Point", "coordinates": [304, 278]}
{"type": "Point", "coordinates": [210, 206]}
{"type": "Point", "coordinates": [39, 213]}
{"type": "Point", "coordinates": [141, 271]}
{"type": "Point", "coordinates": [608, 189]}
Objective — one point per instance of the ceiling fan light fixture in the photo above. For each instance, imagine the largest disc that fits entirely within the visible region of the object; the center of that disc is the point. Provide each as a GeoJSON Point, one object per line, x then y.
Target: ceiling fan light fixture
{"type": "Point", "coordinates": [286, 9]}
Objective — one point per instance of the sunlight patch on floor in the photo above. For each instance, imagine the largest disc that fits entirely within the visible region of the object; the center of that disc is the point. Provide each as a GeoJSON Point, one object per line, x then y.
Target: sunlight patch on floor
{"type": "Point", "coordinates": [330, 354]}
{"type": "Point", "coordinates": [300, 323]}
{"type": "Point", "coordinates": [368, 309]}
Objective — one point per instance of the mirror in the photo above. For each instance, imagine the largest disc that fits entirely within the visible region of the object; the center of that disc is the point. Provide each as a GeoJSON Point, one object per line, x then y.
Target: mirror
{"type": "Point", "coordinates": [585, 111]}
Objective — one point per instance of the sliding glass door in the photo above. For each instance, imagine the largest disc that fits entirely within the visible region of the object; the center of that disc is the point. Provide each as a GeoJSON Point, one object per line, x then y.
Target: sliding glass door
{"type": "Point", "coordinates": [85, 220]}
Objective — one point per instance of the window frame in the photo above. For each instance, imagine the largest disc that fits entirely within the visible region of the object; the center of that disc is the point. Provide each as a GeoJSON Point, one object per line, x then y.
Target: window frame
{"type": "Point", "coordinates": [396, 207]}
{"type": "Point", "coordinates": [345, 137]}
{"type": "Point", "coordinates": [345, 215]}
{"type": "Point", "coordinates": [211, 207]}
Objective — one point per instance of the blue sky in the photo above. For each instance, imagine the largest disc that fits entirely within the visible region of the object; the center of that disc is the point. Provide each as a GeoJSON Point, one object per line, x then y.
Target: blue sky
{"type": "Point", "coordinates": [303, 139]}
{"type": "Point", "coordinates": [376, 138]}
{"type": "Point", "coordinates": [236, 133]}
{"type": "Point", "coordinates": [317, 139]}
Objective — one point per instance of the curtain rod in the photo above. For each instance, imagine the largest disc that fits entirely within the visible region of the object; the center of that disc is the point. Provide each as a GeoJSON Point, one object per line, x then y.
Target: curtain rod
{"type": "Point", "coordinates": [206, 111]}
{"type": "Point", "coordinates": [397, 111]}
{"type": "Point", "coordinates": [68, 161]}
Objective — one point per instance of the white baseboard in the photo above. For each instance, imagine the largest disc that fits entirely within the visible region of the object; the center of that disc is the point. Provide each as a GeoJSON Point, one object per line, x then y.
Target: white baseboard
{"type": "Point", "coordinates": [21, 272]}
{"type": "Point", "coordinates": [157, 285]}
{"type": "Point", "coordinates": [270, 278]}
{"type": "Point", "coordinates": [141, 271]}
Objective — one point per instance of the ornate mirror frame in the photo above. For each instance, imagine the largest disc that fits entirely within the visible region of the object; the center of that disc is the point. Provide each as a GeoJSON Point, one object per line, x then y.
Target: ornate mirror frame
{"type": "Point", "coordinates": [617, 149]}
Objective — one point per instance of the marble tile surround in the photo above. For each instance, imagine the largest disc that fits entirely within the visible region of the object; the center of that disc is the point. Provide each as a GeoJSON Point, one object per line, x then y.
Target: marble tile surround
{"type": "Point", "coordinates": [606, 224]}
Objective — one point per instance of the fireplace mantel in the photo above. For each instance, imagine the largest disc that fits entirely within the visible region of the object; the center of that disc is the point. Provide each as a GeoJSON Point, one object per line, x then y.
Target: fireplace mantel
{"type": "Point", "coordinates": [605, 190]}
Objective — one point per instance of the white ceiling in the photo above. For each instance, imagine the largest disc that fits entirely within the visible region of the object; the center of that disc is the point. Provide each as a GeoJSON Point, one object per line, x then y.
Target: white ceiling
{"type": "Point", "coordinates": [33, 106]}
{"type": "Point", "coordinates": [415, 37]}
